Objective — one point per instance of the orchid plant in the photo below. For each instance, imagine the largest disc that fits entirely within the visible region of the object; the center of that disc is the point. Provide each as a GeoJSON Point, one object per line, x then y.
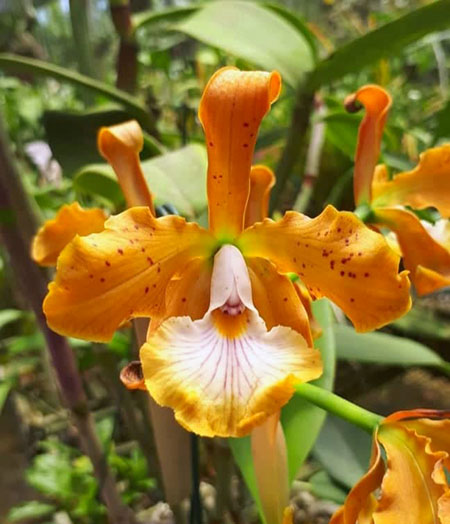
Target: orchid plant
{"type": "Point", "coordinates": [231, 335]}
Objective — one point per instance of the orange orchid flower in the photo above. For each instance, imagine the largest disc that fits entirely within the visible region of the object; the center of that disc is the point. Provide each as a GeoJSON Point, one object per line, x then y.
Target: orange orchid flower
{"type": "Point", "coordinates": [412, 485]}
{"type": "Point", "coordinates": [425, 248]}
{"type": "Point", "coordinates": [120, 145]}
{"type": "Point", "coordinates": [229, 336]}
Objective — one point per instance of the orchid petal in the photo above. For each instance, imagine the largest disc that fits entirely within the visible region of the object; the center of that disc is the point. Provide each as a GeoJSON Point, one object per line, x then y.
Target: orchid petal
{"type": "Point", "coordinates": [427, 185]}
{"type": "Point", "coordinates": [56, 233]}
{"type": "Point", "coordinates": [107, 278]}
{"type": "Point", "coordinates": [231, 109]}
{"type": "Point", "coordinates": [336, 256]}
{"type": "Point", "coordinates": [377, 103]}
{"type": "Point", "coordinates": [120, 145]}
{"type": "Point", "coordinates": [426, 259]}
{"type": "Point", "coordinates": [262, 180]}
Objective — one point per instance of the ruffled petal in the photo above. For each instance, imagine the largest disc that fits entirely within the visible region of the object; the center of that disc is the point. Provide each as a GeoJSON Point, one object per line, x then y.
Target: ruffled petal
{"type": "Point", "coordinates": [231, 109]}
{"type": "Point", "coordinates": [427, 185]}
{"type": "Point", "coordinates": [262, 180]}
{"type": "Point", "coordinates": [359, 503]}
{"type": "Point", "coordinates": [336, 256]}
{"type": "Point", "coordinates": [56, 233]}
{"type": "Point", "coordinates": [271, 469]}
{"type": "Point", "coordinates": [120, 145]}
{"type": "Point", "coordinates": [225, 374]}
{"type": "Point", "coordinates": [427, 260]}
{"type": "Point", "coordinates": [107, 278]}
{"type": "Point", "coordinates": [409, 486]}
{"type": "Point", "coordinates": [276, 298]}
{"type": "Point", "coordinates": [376, 102]}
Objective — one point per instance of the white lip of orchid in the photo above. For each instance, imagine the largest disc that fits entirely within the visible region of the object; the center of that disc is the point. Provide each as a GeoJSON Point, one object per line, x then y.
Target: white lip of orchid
{"type": "Point", "coordinates": [231, 290]}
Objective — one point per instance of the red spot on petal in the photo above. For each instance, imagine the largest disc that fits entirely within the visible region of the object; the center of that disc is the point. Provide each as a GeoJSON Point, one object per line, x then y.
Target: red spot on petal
{"type": "Point", "coordinates": [211, 144]}
{"type": "Point", "coordinates": [366, 274]}
{"type": "Point", "coordinates": [332, 262]}
{"type": "Point", "coordinates": [136, 227]}
{"type": "Point", "coordinates": [108, 263]}
{"type": "Point", "coordinates": [246, 124]}
{"type": "Point", "coordinates": [338, 229]}
{"type": "Point", "coordinates": [352, 300]}
{"type": "Point", "coordinates": [342, 273]}
{"type": "Point", "coordinates": [91, 276]}
{"type": "Point", "coordinates": [120, 251]}
{"type": "Point", "coordinates": [245, 145]}
{"type": "Point", "coordinates": [102, 279]}
{"type": "Point", "coordinates": [150, 261]}
{"type": "Point", "coordinates": [183, 299]}
{"type": "Point", "coordinates": [146, 290]}
{"type": "Point", "coordinates": [285, 299]}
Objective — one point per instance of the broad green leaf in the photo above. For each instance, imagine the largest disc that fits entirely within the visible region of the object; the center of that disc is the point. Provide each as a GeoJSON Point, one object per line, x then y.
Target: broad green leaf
{"type": "Point", "coordinates": [178, 178]}
{"type": "Point", "coordinates": [30, 511]}
{"type": "Point", "coordinates": [382, 348]}
{"type": "Point", "coordinates": [323, 487]}
{"type": "Point", "coordinates": [73, 136]}
{"type": "Point", "coordinates": [343, 450]}
{"type": "Point", "coordinates": [302, 420]}
{"type": "Point", "coordinates": [99, 180]}
{"type": "Point", "coordinates": [385, 41]}
{"type": "Point", "coordinates": [170, 15]}
{"type": "Point", "coordinates": [10, 315]}
{"type": "Point", "coordinates": [21, 64]}
{"type": "Point", "coordinates": [423, 322]}
{"type": "Point", "coordinates": [254, 33]}
{"type": "Point", "coordinates": [242, 453]}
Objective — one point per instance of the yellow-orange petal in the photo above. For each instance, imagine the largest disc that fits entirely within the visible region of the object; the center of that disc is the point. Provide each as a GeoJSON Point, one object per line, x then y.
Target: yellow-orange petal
{"type": "Point", "coordinates": [120, 145]}
{"type": "Point", "coordinates": [262, 179]}
{"type": "Point", "coordinates": [56, 233]}
{"type": "Point", "coordinates": [276, 298]}
{"type": "Point", "coordinates": [336, 256]}
{"type": "Point", "coordinates": [225, 373]}
{"type": "Point", "coordinates": [306, 300]}
{"type": "Point", "coordinates": [409, 489]}
{"type": "Point", "coordinates": [427, 260]}
{"type": "Point", "coordinates": [376, 102]}
{"type": "Point", "coordinates": [231, 109]}
{"type": "Point", "coordinates": [427, 185]}
{"type": "Point", "coordinates": [359, 503]}
{"type": "Point", "coordinates": [121, 273]}
{"type": "Point", "coordinates": [269, 454]}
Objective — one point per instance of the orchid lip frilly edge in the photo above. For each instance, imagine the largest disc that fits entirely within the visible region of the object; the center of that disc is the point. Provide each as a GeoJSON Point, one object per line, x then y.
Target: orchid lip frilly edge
{"type": "Point", "coordinates": [229, 337]}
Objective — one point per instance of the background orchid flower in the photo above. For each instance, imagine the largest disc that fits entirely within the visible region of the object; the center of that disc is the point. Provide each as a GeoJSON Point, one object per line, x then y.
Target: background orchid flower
{"type": "Point", "coordinates": [120, 145]}
{"type": "Point", "coordinates": [413, 483]}
{"type": "Point", "coordinates": [425, 248]}
{"type": "Point", "coordinates": [229, 336]}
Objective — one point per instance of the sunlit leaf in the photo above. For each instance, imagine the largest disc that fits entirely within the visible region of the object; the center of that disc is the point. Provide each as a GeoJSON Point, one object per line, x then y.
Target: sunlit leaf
{"type": "Point", "coordinates": [10, 315]}
{"type": "Point", "coordinates": [30, 511]}
{"type": "Point", "coordinates": [302, 420]}
{"type": "Point", "coordinates": [255, 33]}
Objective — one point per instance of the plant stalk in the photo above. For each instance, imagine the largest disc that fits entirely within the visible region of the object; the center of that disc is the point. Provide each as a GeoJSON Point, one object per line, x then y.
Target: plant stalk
{"type": "Point", "coordinates": [33, 284]}
{"type": "Point", "coordinates": [340, 407]}
{"type": "Point", "coordinates": [81, 32]}
{"type": "Point", "coordinates": [295, 142]}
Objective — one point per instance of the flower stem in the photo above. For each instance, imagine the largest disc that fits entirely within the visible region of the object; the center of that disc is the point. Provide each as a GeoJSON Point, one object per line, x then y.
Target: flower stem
{"type": "Point", "coordinates": [196, 503]}
{"type": "Point", "coordinates": [336, 405]}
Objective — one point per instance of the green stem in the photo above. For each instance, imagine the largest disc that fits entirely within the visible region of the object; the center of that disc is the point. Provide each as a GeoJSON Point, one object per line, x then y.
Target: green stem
{"type": "Point", "coordinates": [295, 142]}
{"type": "Point", "coordinates": [20, 64]}
{"type": "Point", "coordinates": [79, 18]}
{"type": "Point", "coordinates": [336, 405]}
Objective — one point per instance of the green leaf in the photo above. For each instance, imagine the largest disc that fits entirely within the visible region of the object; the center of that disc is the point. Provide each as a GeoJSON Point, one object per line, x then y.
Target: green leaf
{"type": "Point", "coordinates": [323, 487]}
{"type": "Point", "coordinates": [342, 131]}
{"type": "Point", "coordinates": [73, 136]}
{"type": "Point", "coordinates": [178, 178]}
{"type": "Point", "coordinates": [10, 315]}
{"type": "Point", "coordinates": [343, 450]}
{"type": "Point", "coordinates": [30, 511]}
{"type": "Point", "coordinates": [20, 64]}
{"type": "Point", "coordinates": [382, 348]}
{"type": "Point", "coordinates": [170, 15]}
{"type": "Point", "coordinates": [302, 420]}
{"type": "Point", "coordinates": [385, 41]}
{"type": "Point", "coordinates": [254, 33]}
{"type": "Point", "coordinates": [242, 453]}
{"type": "Point", "coordinates": [5, 387]}
{"type": "Point", "coordinates": [99, 180]}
